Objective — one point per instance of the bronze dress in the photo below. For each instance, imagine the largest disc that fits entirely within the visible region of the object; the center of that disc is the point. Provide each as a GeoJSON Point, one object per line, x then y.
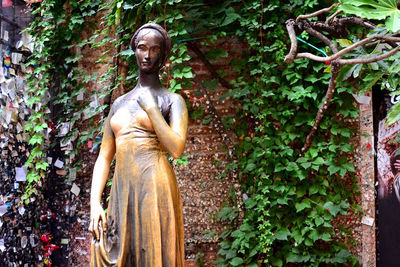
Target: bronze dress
{"type": "Point", "coordinates": [145, 221]}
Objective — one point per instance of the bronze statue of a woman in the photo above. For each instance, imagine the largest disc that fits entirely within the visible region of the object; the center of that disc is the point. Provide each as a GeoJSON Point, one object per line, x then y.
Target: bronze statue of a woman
{"type": "Point", "coordinates": [144, 224]}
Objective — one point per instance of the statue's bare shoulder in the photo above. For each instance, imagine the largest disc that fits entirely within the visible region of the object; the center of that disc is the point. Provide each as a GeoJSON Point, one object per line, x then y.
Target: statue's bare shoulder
{"type": "Point", "coordinates": [176, 99]}
{"type": "Point", "coordinates": [119, 102]}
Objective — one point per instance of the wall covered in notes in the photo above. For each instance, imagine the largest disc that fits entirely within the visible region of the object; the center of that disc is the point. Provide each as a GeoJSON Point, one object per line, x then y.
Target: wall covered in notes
{"type": "Point", "coordinates": [22, 223]}
{"type": "Point", "coordinates": [18, 235]}
{"type": "Point", "coordinates": [34, 222]}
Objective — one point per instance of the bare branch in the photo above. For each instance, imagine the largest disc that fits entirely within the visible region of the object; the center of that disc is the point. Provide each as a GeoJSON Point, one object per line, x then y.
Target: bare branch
{"type": "Point", "coordinates": [357, 21]}
{"type": "Point", "coordinates": [331, 89]}
{"type": "Point", "coordinates": [210, 67]}
{"type": "Point", "coordinates": [334, 28]}
{"type": "Point", "coordinates": [362, 42]}
{"type": "Point", "coordinates": [312, 57]}
{"type": "Point", "coordinates": [347, 49]}
{"type": "Point", "coordinates": [328, 19]}
{"type": "Point", "coordinates": [338, 27]}
{"type": "Point", "coordinates": [217, 120]}
{"type": "Point", "coordinates": [316, 13]}
{"type": "Point", "coordinates": [374, 43]}
{"type": "Point", "coordinates": [370, 59]}
{"type": "Point", "coordinates": [323, 38]}
{"type": "Point", "coordinates": [293, 41]}
{"type": "Point", "coordinates": [323, 108]}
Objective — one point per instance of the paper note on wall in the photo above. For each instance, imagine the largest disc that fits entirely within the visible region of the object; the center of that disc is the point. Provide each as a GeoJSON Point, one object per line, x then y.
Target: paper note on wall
{"type": "Point", "coordinates": [16, 58]}
{"type": "Point", "coordinates": [59, 164]}
{"type": "Point", "coordinates": [3, 209]}
{"type": "Point", "coordinates": [75, 189]}
{"type": "Point", "coordinates": [20, 174]}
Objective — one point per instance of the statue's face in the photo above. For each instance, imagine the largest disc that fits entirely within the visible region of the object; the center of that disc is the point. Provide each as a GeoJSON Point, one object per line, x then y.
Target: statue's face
{"type": "Point", "coordinates": [149, 50]}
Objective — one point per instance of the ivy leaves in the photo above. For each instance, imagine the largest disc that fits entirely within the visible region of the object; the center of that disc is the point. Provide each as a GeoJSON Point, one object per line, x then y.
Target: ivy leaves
{"type": "Point", "coordinates": [56, 32]}
{"type": "Point", "coordinates": [394, 114]}
{"type": "Point", "coordinates": [375, 9]}
{"type": "Point", "coordinates": [291, 201]}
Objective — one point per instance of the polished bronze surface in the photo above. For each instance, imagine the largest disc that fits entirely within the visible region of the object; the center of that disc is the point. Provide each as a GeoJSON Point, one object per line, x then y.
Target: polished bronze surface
{"type": "Point", "coordinates": [144, 223]}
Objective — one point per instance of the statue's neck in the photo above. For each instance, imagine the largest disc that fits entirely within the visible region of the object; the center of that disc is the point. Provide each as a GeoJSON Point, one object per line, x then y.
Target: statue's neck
{"type": "Point", "coordinates": [149, 80]}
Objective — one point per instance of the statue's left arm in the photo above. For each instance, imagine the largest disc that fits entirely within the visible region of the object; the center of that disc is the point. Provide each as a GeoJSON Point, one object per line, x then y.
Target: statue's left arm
{"type": "Point", "coordinates": [173, 136]}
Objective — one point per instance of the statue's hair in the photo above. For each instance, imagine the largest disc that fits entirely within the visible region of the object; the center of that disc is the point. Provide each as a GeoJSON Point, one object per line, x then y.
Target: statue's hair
{"type": "Point", "coordinates": [166, 39]}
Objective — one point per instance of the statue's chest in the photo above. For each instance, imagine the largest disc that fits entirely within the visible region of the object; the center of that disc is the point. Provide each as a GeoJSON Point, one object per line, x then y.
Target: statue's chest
{"type": "Point", "coordinates": [129, 114]}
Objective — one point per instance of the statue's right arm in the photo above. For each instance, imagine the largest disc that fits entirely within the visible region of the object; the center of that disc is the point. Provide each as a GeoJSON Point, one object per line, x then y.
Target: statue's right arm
{"type": "Point", "coordinates": [99, 179]}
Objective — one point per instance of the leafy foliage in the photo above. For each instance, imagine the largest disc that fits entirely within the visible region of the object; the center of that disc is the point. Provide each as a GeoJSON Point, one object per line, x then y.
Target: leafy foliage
{"type": "Point", "coordinates": [293, 200]}
{"type": "Point", "coordinates": [290, 202]}
{"type": "Point", "coordinates": [388, 70]}
{"type": "Point", "coordinates": [54, 74]}
{"type": "Point", "coordinates": [375, 9]}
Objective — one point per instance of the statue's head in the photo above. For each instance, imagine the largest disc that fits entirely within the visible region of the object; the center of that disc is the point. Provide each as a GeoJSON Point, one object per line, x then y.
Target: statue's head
{"type": "Point", "coordinates": [152, 45]}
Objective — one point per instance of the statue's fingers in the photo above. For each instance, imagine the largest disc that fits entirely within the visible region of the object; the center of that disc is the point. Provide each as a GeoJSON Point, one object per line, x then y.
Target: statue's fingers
{"type": "Point", "coordinates": [104, 220]}
{"type": "Point", "coordinates": [96, 228]}
{"type": "Point", "coordinates": [92, 228]}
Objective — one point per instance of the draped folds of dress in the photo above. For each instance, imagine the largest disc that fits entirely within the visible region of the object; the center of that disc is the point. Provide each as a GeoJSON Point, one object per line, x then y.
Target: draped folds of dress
{"type": "Point", "coordinates": [145, 221]}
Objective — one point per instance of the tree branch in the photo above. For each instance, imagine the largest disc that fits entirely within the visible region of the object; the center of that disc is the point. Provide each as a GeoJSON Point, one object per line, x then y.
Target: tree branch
{"type": "Point", "coordinates": [321, 112]}
{"type": "Point", "coordinates": [356, 21]}
{"type": "Point", "coordinates": [216, 118]}
{"type": "Point", "coordinates": [293, 41]}
{"type": "Point", "coordinates": [316, 13]}
{"type": "Point", "coordinates": [336, 28]}
{"type": "Point", "coordinates": [370, 59]}
{"type": "Point", "coordinates": [347, 49]}
{"type": "Point", "coordinates": [328, 19]}
{"type": "Point", "coordinates": [323, 38]}
{"type": "Point", "coordinates": [210, 67]}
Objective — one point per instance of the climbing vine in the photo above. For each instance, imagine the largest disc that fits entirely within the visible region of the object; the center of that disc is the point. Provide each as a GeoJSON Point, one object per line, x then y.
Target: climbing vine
{"type": "Point", "coordinates": [54, 82]}
{"type": "Point", "coordinates": [291, 202]}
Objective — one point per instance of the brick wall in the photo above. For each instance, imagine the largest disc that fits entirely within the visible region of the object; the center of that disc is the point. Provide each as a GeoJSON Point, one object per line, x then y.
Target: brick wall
{"type": "Point", "coordinates": [203, 193]}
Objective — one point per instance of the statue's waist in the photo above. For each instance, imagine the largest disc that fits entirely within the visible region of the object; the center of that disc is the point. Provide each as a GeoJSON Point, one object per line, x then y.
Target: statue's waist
{"type": "Point", "coordinates": [138, 144]}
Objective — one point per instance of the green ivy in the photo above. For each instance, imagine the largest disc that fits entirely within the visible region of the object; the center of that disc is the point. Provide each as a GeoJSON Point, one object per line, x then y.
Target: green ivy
{"type": "Point", "coordinates": [375, 9]}
{"type": "Point", "coordinates": [56, 29]}
{"type": "Point", "coordinates": [290, 202]}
